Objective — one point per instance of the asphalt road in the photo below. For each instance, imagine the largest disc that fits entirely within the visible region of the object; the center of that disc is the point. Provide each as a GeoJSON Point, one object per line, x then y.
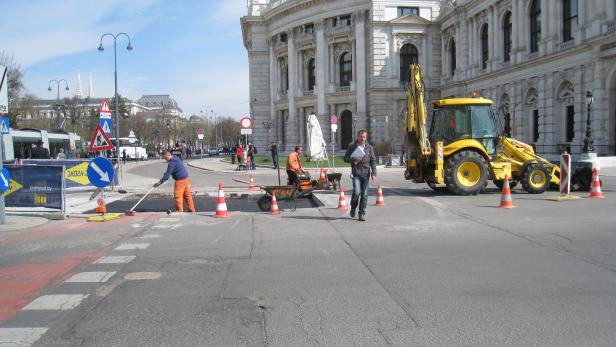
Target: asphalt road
{"type": "Point", "coordinates": [426, 269]}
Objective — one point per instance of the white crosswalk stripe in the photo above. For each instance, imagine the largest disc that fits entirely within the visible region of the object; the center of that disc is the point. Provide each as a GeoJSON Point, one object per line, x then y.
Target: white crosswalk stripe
{"type": "Point", "coordinates": [116, 259]}
{"type": "Point", "coordinates": [20, 336]}
{"type": "Point", "coordinates": [91, 277]}
{"type": "Point", "coordinates": [130, 246]}
{"type": "Point", "coordinates": [56, 302]}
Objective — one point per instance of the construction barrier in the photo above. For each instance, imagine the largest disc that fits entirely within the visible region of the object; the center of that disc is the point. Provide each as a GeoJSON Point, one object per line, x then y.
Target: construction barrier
{"type": "Point", "coordinates": [36, 186]}
{"type": "Point", "coordinates": [76, 173]}
{"type": "Point", "coordinates": [565, 177]}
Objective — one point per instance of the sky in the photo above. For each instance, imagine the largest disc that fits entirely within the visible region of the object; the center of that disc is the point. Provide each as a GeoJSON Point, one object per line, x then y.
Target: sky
{"type": "Point", "coordinates": [190, 49]}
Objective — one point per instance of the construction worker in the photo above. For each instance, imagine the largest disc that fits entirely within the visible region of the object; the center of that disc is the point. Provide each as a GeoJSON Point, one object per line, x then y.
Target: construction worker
{"type": "Point", "coordinates": [177, 170]}
{"type": "Point", "coordinates": [294, 165]}
{"type": "Point", "coordinates": [363, 167]}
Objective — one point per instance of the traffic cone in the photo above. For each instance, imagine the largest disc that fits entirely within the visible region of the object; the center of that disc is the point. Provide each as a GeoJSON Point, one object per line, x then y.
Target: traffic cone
{"type": "Point", "coordinates": [274, 209]}
{"type": "Point", "coordinates": [322, 176]}
{"type": "Point", "coordinates": [101, 208]}
{"type": "Point", "coordinates": [506, 201]}
{"type": "Point", "coordinates": [252, 183]}
{"type": "Point", "coordinates": [342, 204]}
{"type": "Point", "coordinates": [379, 197]}
{"type": "Point", "coordinates": [221, 206]}
{"type": "Point", "coordinates": [595, 187]}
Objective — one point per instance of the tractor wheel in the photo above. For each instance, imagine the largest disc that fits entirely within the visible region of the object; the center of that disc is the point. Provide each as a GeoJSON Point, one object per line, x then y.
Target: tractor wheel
{"type": "Point", "coordinates": [499, 184]}
{"type": "Point", "coordinates": [466, 173]}
{"type": "Point", "coordinates": [536, 178]}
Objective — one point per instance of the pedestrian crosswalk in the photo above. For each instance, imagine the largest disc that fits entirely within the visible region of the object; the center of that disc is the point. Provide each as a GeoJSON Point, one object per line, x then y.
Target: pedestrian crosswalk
{"type": "Point", "coordinates": [107, 267]}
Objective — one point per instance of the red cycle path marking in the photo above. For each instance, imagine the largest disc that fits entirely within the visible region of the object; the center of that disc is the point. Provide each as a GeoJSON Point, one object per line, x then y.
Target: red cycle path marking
{"type": "Point", "coordinates": [19, 284]}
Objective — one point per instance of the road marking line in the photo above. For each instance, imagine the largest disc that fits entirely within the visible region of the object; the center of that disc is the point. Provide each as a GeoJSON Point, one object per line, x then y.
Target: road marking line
{"type": "Point", "coordinates": [116, 260]}
{"type": "Point", "coordinates": [150, 236]}
{"type": "Point", "coordinates": [169, 220]}
{"type": "Point", "coordinates": [91, 277]}
{"type": "Point", "coordinates": [129, 246]}
{"type": "Point", "coordinates": [20, 336]}
{"type": "Point", "coordinates": [134, 276]}
{"type": "Point", "coordinates": [55, 302]}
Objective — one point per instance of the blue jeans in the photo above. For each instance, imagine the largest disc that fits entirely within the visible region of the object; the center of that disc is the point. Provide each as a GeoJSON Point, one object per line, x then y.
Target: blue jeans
{"type": "Point", "coordinates": [275, 160]}
{"type": "Point", "coordinates": [360, 193]}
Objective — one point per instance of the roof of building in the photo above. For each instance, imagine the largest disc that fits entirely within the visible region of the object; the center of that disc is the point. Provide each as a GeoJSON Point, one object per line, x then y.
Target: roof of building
{"type": "Point", "coordinates": [158, 100]}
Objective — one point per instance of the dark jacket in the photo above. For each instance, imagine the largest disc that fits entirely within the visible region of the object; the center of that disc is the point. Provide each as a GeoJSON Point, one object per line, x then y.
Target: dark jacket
{"type": "Point", "coordinates": [175, 169]}
{"type": "Point", "coordinates": [367, 166]}
{"type": "Point", "coordinates": [40, 153]}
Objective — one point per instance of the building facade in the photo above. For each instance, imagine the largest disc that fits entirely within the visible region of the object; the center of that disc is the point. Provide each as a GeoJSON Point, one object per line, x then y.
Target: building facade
{"type": "Point", "coordinates": [536, 59]}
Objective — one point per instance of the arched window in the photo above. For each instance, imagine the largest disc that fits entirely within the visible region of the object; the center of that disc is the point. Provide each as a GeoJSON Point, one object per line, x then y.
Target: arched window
{"type": "Point", "coordinates": [570, 19]}
{"type": "Point", "coordinates": [408, 56]}
{"type": "Point", "coordinates": [535, 25]}
{"type": "Point", "coordinates": [452, 56]}
{"type": "Point", "coordinates": [311, 77]}
{"type": "Point", "coordinates": [484, 47]}
{"type": "Point", "coordinates": [507, 37]}
{"type": "Point", "coordinates": [346, 69]}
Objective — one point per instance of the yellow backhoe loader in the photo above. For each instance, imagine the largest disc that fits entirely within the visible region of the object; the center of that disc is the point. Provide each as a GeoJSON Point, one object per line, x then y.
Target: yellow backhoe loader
{"type": "Point", "coordinates": [463, 146]}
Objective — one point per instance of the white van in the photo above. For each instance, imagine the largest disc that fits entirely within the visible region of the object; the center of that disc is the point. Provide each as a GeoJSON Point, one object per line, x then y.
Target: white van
{"type": "Point", "coordinates": [134, 151]}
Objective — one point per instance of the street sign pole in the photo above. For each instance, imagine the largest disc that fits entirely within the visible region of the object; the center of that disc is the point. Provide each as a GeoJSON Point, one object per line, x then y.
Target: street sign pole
{"type": "Point", "coordinates": [4, 108]}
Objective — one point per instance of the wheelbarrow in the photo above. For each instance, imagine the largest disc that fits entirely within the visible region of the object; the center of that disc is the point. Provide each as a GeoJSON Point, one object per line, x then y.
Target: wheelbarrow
{"type": "Point", "coordinates": [288, 193]}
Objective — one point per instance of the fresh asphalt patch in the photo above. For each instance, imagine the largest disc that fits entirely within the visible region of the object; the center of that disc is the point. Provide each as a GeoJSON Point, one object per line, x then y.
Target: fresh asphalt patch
{"type": "Point", "coordinates": [159, 203]}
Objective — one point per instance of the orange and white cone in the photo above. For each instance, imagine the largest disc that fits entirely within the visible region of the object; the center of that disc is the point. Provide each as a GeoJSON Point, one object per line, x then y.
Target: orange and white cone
{"type": "Point", "coordinates": [221, 206]}
{"type": "Point", "coordinates": [322, 176]}
{"type": "Point", "coordinates": [595, 187]}
{"type": "Point", "coordinates": [101, 208]}
{"type": "Point", "coordinates": [342, 204]}
{"type": "Point", "coordinates": [506, 201]}
{"type": "Point", "coordinates": [274, 209]}
{"type": "Point", "coordinates": [252, 183]}
{"type": "Point", "coordinates": [379, 197]}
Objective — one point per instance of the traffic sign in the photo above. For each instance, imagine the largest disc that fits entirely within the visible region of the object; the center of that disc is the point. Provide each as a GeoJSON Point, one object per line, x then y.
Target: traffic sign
{"type": "Point", "coordinates": [106, 124]}
{"type": "Point", "coordinates": [131, 137]}
{"type": "Point", "coordinates": [4, 89]}
{"type": "Point", "coordinates": [5, 180]}
{"type": "Point", "coordinates": [105, 110]}
{"type": "Point", "coordinates": [333, 119]}
{"type": "Point", "coordinates": [100, 172]}
{"type": "Point", "coordinates": [246, 123]}
{"type": "Point", "coordinates": [245, 131]}
{"type": "Point", "coordinates": [5, 126]}
{"type": "Point", "coordinates": [100, 141]}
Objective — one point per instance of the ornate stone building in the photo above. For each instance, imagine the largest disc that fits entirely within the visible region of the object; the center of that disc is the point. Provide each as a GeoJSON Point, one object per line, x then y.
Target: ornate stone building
{"type": "Point", "coordinates": [535, 58]}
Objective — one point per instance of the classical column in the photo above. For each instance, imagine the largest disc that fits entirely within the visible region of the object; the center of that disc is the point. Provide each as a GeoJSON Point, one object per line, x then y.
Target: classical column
{"type": "Point", "coordinates": [545, 18]}
{"type": "Point", "coordinates": [471, 45]}
{"type": "Point", "coordinates": [522, 24]}
{"type": "Point", "coordinates": [332, 68]}
{"type": "Point", "coordinates": [292, 135]}
{"type": "Point", "coordinates": [583, 10]}
{"type": "Point", "coordinates": [361, 63]}
{"type": "Point", "coordinates": [354, 64]}
{"type": "Point", "coordinates": [515, 32]}
{"type": "Point", "coordinates": [300, 69]}
{"type": "Point", "coordinates": [273, 91]}
{"type": "Point", "coordinates": [492, 31]}
{"type": "Point", "coordinates": [321, 68]}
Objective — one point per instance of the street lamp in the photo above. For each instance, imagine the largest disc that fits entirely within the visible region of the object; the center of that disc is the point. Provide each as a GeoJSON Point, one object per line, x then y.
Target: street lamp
{"type": "Point", "coordinates": [116, 109]}
{"type": "Point", "coordinates": [588, 141]}
{"type": "Point", "coordinates": [57, 106]}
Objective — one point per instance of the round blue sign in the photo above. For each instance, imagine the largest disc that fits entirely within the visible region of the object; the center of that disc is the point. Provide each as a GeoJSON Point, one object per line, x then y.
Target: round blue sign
{"type": "Point", "coordinates": [5, 180]}
{"type": "Point", "coordinates": [100, 172]}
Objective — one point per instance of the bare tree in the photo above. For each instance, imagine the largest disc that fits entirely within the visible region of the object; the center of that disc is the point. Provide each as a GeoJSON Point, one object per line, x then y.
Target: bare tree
{"type": "Point", "coordinates": [15, 75]}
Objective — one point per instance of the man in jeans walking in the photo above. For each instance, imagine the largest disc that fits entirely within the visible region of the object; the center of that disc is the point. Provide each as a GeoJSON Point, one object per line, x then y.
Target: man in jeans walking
{"type": "Point", "coordinates": [177, 170]}
{"type": "Point", "coordinates": [363, 165]}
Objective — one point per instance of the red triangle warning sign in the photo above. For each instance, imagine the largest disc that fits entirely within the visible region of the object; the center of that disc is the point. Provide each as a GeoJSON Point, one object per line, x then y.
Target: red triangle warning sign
{"type": "Point", "coordinates": [100, 141]}
{"type": "Point", "coordinates": [105, 107]}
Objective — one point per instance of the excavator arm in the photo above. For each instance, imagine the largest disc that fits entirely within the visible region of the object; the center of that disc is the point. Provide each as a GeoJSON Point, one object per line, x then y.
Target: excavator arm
{"type": "Point", "coordinates": [417, 142]}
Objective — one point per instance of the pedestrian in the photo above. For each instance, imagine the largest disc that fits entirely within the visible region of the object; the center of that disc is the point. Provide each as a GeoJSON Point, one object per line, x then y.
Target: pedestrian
{"type": "Point", "coordinates": [72, 152]}
{"type": "Point", "coordinates": [274, 150]}
{"type": "Point", "coordinates": [124, 156]}
{"type": "Point", "coordinates": [363, 167]}
{"type": "Point", "coordinates": [233, 155]}
{"type": "Point", "coordinates": [294, 166]}
{"type": "Point", "coordinates": [61, 154]}
{"type": "Point", "coordinates": [39, 152]}
{"type": "Point", "coordinates": [252, 150]}
{"type": "Point", "coordinates": [177, 170]}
